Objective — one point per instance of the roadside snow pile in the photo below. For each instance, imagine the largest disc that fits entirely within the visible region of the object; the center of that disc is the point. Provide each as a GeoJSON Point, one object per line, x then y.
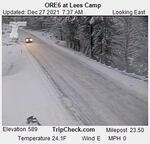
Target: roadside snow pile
{"type": "Point", "coordinates": [12, 60]}
{"type": "Point", "coordinates": [26, 90]}
{"type": "Point", "coordinates": [128, 81]}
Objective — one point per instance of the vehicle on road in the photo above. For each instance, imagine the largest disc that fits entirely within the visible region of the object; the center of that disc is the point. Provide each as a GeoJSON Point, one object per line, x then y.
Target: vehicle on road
{"type": "Point", "coordinates": [28, 40]}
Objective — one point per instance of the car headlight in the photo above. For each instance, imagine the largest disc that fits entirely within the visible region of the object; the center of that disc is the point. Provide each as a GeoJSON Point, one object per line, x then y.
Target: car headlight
{"type": "Point", "coordinates": [30, 39]}
{"type": "Point", "coordinates": [27, 40]}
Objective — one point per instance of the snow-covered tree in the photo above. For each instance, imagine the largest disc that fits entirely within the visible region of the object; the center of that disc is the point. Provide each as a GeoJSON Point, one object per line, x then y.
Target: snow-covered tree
{"type": "Point", "coordinates": [85, 30]}
{"type": "Point", "coordinates": [70, 26]}
{"type": "Point", "coordinates": [127, 42]}
{"type": "Point", "coordinates": [102, 32]}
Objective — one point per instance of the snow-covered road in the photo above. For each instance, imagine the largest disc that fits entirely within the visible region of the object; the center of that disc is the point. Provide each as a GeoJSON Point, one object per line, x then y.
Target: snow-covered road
{"type": "Point", "coordinates": [91, 97]}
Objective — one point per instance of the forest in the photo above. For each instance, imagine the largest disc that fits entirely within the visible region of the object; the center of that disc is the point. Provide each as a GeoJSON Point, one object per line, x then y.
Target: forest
{"type": "Point", "coordinates": [119, 42]}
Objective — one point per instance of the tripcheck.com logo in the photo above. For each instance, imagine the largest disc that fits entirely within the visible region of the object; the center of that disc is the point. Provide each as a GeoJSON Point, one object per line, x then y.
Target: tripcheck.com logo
{"type": "Point", "coordinates": [72, 129]}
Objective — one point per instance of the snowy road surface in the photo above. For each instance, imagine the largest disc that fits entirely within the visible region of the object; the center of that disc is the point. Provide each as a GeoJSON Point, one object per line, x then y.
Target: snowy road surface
{"type": "Point", "coordinates": [91, 97]}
